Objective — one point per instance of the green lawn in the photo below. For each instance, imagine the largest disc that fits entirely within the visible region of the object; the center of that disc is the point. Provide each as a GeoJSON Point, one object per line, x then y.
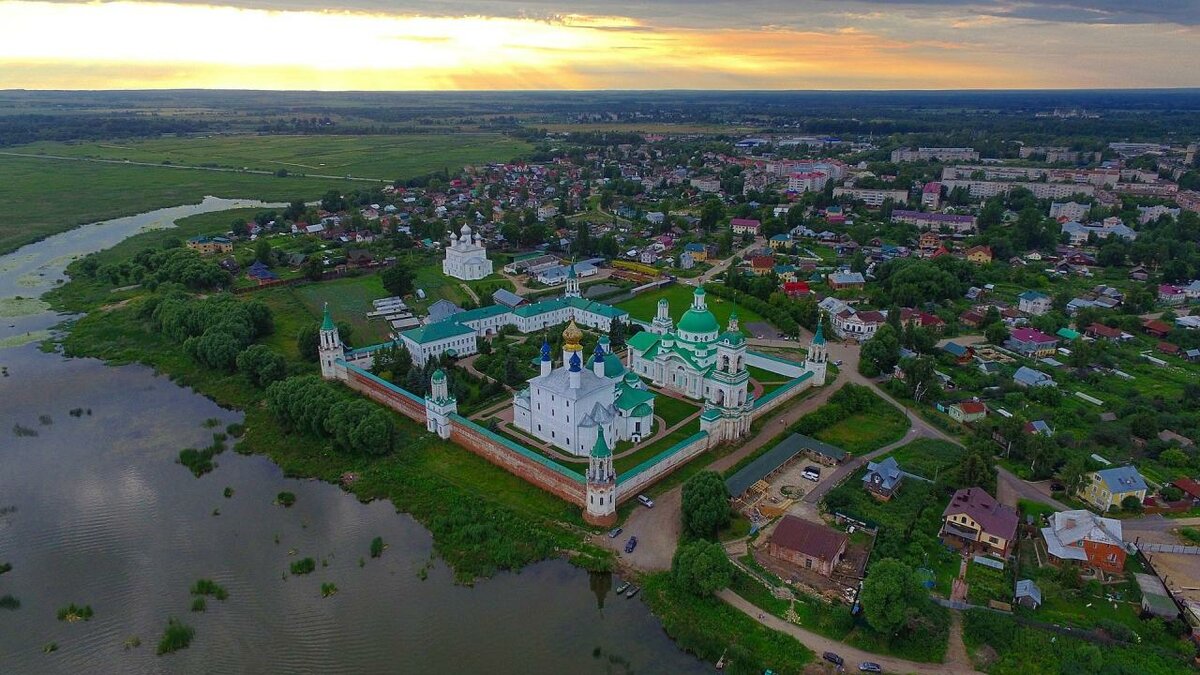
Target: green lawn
{"type": "Point", "coordinates": [383, 157]}
{"type": "Point", "coordinates": [645, 305]}
{"type": "Point", "coordinates": [866, 431]}
{"type": "Point", "coordinates": [40, 197]}
{"type": "Point", "coordinates": [349, 300]}
{"type": "Point", "coordinates": [927, 457]}
{"type": "Point", "coordinates": [673, 410]}
{"type": "Point", "coordinates": [626, 463]}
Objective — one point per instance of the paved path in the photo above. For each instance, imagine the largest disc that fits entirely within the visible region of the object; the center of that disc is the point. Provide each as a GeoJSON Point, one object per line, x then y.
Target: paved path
{"type": "Point", "coordinates": [957, 661]}
{"type": "Point", "coordinates": [1010, 488]}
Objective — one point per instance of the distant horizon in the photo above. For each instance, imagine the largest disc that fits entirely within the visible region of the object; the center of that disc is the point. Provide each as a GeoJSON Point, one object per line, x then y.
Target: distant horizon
{"type": "Point", "coordinates": [1182, 89]}
{"type": "Point", "coordinates": [594, 45]}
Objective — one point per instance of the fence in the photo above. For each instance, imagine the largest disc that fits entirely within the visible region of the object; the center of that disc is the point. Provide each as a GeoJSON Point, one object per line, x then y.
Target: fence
{"type": "Point", "coordinates": [651, 470]}
{"type": "Point", "coordinates": [1169, 548]}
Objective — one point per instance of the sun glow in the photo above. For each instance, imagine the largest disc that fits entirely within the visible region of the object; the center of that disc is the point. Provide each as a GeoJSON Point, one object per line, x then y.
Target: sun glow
{"type": "Point", "coordinates": [107, 45]}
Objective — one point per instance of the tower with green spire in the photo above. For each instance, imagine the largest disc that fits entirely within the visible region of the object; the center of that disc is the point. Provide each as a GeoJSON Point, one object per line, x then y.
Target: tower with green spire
{"type": "Point", "coordinates": [572, 290]}
{"type": "Point", "coordinates": [600, 507]}
{"type": "Point", "coordinates": [816, 363]}
{"type": "Point", "coordinates": [330, 350]}
{"type": "Point", "coordinates": [439, 405]}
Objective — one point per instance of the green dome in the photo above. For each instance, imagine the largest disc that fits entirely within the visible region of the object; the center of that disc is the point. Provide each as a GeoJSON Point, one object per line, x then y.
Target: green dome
{"type": "Point", "coordinates": [612, 364]}
{"type": "Point", "coordinates": [641, 410]}
{"type": "Point", "coordinates": [698, 321]}
{"type": "Point", "coordinates": [631, 378]}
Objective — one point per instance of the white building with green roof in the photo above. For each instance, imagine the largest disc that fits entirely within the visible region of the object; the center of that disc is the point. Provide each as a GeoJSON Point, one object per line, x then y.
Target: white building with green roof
{"type": "Point", "coordinates": [444, 337]}
{"type": "Point", "coordinates": [699, 361]}
{"type": "Point", "coordinates": [571, 406]}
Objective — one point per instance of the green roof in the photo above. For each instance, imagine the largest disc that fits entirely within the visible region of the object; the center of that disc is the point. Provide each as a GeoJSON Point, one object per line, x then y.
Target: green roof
{"type": "Point", "coordinates": [734, 337]}
{"type": "Point", "coordinates": [710, 414]}
{"type": "Point", "coordinates": [477, 314]}
{"type": "Point", "coordinates": [539, 307]}
{"type": "Point", "coordinates": [698, 320]}
{"type": "Point", "coordinates": [437, 331]}
{"type": "Point", "coordinates": [643, 340]}
{"type": "Point", "coordinates": [327, 321]}
{"type": "Point", "coordinates": [612, 364]}
{"type": "Point", "coordinates": [631, 397]}
{"type": "Point", "coordinates": [781, 454]}
{"type": "Point", "coordinates": [1068, 334]}
{"type": "Point", "coordinates": [596, 308]}
{"type": "Point", "coordinates": [439, 375]}
{"type": "Point", "coordinates": [601, 449]}
{"type": "Point", "coordinates": [642, 410]}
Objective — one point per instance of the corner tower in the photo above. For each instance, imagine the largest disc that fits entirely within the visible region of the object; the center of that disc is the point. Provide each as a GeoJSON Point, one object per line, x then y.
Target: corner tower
{"type": "Point", "coordinates": [572, 283]}
{"type": "Point", "coordinates": [817, 355]}
{"type": "Point", "coordinates": [330, 349]}
{"type": "Point", "coordinates": [439, 405]}
{"type": "Point", "coordinates": [600, 507]}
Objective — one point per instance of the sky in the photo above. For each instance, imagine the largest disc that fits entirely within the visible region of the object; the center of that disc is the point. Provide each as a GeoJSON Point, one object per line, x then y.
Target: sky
{"type": "Point", "coordinates": [599, 44]}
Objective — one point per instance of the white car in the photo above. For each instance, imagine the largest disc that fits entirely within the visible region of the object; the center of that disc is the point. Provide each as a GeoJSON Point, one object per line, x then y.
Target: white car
{"type": "Point", "coordinates": [646, 501]}
{"type": "Point", "coordinates": [811, 473]}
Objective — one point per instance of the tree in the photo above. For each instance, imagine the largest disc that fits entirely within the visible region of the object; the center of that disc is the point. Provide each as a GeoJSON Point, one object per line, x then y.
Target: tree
{"type": "Point", "coordinates": [996, 333]}
{"type": "Point", "coordinates": [308, 341]}
{"type": "Point", "coordinates": [975, 470]}
{"type": "Point", "coordinates": [1174, 457]}
{"type": "Point", "coordinates": [1131, 504]}
{"type": "Point", "coordinates": [261, 365]}
{"type": "Point", "coordinates": [263, 252]}
{"type": "Point", "coordinates": [313, 268]}
{"type": "Point", "coordinates": [701, 568]}
{"type": "Point", "coordinates": [705, 505]}
{"type": "Point", "coordinates": [398, 279]}
{"type": "Point", "coordinates": [881, 353]}
{"type": "Point", "coordinates": [891, 596]}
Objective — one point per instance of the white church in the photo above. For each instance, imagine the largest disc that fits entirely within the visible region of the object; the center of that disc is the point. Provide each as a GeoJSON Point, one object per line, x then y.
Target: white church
{"type": "Point", "coordinates": [466, 257]}
{"type": "Point", "coordinates": [577, 405]}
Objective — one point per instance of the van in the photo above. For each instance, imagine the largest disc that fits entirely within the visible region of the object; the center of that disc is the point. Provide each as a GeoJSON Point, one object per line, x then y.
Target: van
{"type": "Point", "coordinates": [811, 473]}
{"type": "Point", "coordinates": [646, 501]}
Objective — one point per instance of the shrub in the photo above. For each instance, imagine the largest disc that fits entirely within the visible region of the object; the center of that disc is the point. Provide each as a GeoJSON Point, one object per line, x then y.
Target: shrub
{"type": "Point", "coordinates": [328, 589]}
{"type": "Point", "coordinates": [303, 566]}
{"type": "Point", "coordinates": [199, 604]}
{"type": "Point", "coordinates": [178, 635]}
{"type": "Point", "coordinates": [209, 587]}
{"type": "Point", "coordinates": [9, 602]}
{"type": "Point", "coordinates": [376, 547]}
{"type": "Point", "coordinates": [72, 613]}
{"type": "Point", "coordinates": [285, 499]}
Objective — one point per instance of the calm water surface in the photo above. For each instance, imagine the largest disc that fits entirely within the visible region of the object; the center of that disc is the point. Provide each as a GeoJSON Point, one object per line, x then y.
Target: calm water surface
{"type": "Point", "coordinates": [96, 511]}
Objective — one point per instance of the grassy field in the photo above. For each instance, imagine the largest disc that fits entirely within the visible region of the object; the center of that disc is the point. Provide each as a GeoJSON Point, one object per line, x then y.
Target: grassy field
{"type": "Point", "coordinates": [645, 306]}
{"type": "Point", "coordinates": [40, 197]}
{"type": "Point", "coordinates": [382, 157]}
{"type": "Point", "coordinates": [349, 300]}
{"type": "Point", "coordinates": [626, 463]}
{"type": "Point", "coordinates": [927, 457]}
{"type": "Point", "coordinates": [866, 431]}
{"type": "Point", "coordinates": [673, 410]}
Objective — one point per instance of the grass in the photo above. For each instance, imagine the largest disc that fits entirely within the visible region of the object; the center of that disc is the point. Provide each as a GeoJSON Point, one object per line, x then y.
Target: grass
{"type": "Point", "coordinates": [40, 197]}
{"type": "Point", "coordinates": [1038, 510]}
{"type": "Point", "coordinates": [285, 499]}
{"type": "Point", "coordinates": [72, 613]}
{"type": "Point", "coordinates": [866, 431]}
{"type": "Point", "coordinates": [710, 629]}
{"type": "Point", "coordinates": [645, 306]}
{"type": "Point", "coordinates": [349, 300]}
{"type": "Point", "coordinates": [376, 547]}
{"type": "Point", "coordinates": [673, 410]}
{"type": "Point", "coordinates": [208, 587]}
{"type": "Point", "coordinates": [382, 157]}
{"type": "Point", "coordinates": [9, 602]}
{"type": "Point", "coordinates": [682, 433]}
{"type": "Point", "coordinates": [303, 566]}
{"type": "Point", "coordinates": [177, 635]}
{"type": "Point", "coordinates": [985, 583]}
{"type": "Point", "coordinates": [328, 589]}
{"type": "Point", "coordinates": [927, 457]}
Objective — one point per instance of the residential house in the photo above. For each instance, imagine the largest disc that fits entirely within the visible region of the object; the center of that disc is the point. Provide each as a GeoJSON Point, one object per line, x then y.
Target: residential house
{"type": "Point", "coordinates": [1157, 328]}
{"type": "Point", "coordinates": [1107, 488]}
{"type": "Point", "coordinates": [1190, 488]}
{"type": "Point", "coordinates": [980, 255]}
{"type": "Point", "coordinates": [1168, 436]}
{"type": "Point", "coordinates": [918, 319]}
{"type": "Point", "coordinates": [762, 265]}
{"type": "Point", "coordinates": [785, 272]}
{"type": "Point", "coordinates": [1031, 342]}
{"type": "Point", "coordinates": [780, 241]}
{"type": "Point", "coordinates": [966, 412]}
{"type": "Point", "coordinates": [807, 545]}
{"type": "Point", "coordinates": [962, 353]}
{"type": "Point", "coordinates": [883, 479]}
{"type": "Point", "coordinates": [860, 326]}
{"type": "Point", "coordinates": [1101, 332]}
{"type": "Point", "coordinates": [929, 241]}
{"type": "Point", "coordinates": [975, 520]}
{"type": "Point", "coordinates": [745, 226]}
{"type": "Point", "coordinates": [699, 252]}
{"type": "Point", "coordinates": [1171, 295]}
{"type": "Point", "coordinates": [1035, 303]}
{"type": "Point", "coordinates": [1028, 377]}
{"type": "Point", "coordinates": [971, 318]}
{"type": "Point", "coordinates": [205, 245]}
{"type": "Point", "coordinates": [844, 279]}
{"type": "Point", "coordinates": [795, 289]}
{"type": "Point", "coordinates": [1038, 428]}
{"type": "Point", "coordinates": [1086, 538]}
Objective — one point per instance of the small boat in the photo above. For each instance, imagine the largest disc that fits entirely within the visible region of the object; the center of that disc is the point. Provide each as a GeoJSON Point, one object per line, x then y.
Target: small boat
{"type": "Point", "coordinates": [623, 587]}
{"type": "Point", "coordinates": [632, 592]}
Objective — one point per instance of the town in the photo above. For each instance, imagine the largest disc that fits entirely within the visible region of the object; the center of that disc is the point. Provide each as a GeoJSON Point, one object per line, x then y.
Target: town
{"type": "Point", "coordinates": [906, 402]}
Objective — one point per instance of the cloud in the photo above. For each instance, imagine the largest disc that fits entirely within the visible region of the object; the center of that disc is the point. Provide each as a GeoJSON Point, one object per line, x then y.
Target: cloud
{"type": "Point", "coordinates": [1183, 12]}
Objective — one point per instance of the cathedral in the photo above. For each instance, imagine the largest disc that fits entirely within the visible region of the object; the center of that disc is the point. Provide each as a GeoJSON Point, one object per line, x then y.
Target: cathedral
{"type": "Point", "coordinates": [466, 258]}
{"type": "Point", "coordinates": [699, 361]}
{"type": "Point", "coordinates": [578, 405]}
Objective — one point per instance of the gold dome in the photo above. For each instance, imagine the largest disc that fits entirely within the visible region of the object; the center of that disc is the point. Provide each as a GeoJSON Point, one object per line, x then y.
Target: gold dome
{"type": "Point", "coordinates": [572, 336]}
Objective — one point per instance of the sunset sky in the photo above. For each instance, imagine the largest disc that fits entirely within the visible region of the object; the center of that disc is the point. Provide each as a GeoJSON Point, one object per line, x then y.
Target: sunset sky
{"type": "Point", "coordinates": [592, 44]}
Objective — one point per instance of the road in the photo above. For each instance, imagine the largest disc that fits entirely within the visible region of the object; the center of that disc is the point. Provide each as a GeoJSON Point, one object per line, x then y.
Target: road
{"type": "Point", "coordinates": [957, 661]}
{"type": "Point", "coordinates": [188, 167]}
{"type": "Point", "coordinates": [1010, 488]}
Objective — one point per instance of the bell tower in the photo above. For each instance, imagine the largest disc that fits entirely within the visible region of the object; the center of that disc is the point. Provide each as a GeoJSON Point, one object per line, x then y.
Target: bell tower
{"type": "Point", "coordinates": [439, 405]}
{"type": "Point", "coordinates": [601, 505]}
{"type": "Point", "coordinates": [662, 320]}
{"type": "Point", "coordinates": [572, 283]}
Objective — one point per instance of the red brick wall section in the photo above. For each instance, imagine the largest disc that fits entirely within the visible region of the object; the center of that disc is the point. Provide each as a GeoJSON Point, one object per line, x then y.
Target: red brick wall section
{"type": "Point", "coordinates": [380, 394]}
{"type": "Point", "coordinates": [543, 477]}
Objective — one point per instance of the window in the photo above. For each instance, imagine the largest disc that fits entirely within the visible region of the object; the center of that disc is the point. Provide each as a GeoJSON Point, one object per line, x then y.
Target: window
{"type": "Point", "coordinates": [808, 563]}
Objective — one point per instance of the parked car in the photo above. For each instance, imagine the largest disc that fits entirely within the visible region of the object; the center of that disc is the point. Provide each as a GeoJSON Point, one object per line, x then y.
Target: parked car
{"type": "Point", "coordinates": [838, 363]}
{"type": "Point", "coordinates": [869, 667]}
{"type": "Point", "coordinates": [615, 532]}
{"type": "Point", "coordinates": [646, 501]}
{"type": "Point", "coordinates": [811, 473]}
{"type": "Point", "coordinates": [834, 659]}
{"type": "Point", "coordinates": [631, 544]}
